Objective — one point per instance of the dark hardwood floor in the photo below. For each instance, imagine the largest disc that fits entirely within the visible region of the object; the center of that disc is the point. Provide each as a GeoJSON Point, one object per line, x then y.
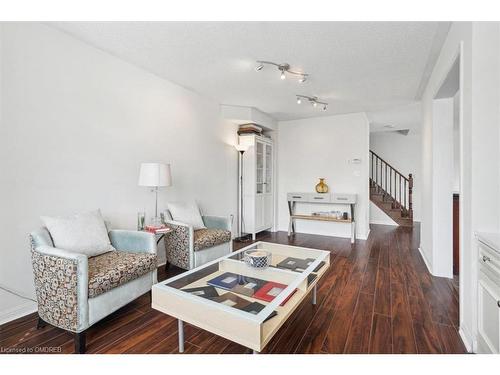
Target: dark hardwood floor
{"type": "Point", "coordinates": [377, 297]}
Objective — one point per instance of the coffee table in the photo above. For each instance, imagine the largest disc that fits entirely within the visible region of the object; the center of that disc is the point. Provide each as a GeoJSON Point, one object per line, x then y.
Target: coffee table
{"type": "Point", "coordinates": [231, 315]}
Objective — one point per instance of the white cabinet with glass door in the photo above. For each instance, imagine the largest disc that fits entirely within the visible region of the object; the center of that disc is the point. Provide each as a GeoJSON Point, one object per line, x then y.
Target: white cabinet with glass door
{"type": "Point", "coordinates": [258, 184]}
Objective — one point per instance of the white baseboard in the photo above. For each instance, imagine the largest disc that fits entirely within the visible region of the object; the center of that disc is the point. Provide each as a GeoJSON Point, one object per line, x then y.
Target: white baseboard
{"type": "Point", "coordinates": [364, 238]}
{"type": "Point", "coordinates": [427, 263]}
{"type": "Point", "coordinates": [383, 222]}
{"type": "Point", "coordinates": [466, 338]}
{"type": "Point", "coordinates": [19, 311]}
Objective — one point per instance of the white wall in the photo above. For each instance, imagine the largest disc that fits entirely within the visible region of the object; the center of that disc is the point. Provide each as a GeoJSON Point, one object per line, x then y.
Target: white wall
{"type": "Point", "coordinates": [377, 216]}
{"type": "Point", "coordinates": [480, 162]}
{"type": "Point", "coordinates": [322, 147]}
{"type": "Point", "coordinates": [403, 152]}
{"type": "Point", "coordinates": [76, 125]}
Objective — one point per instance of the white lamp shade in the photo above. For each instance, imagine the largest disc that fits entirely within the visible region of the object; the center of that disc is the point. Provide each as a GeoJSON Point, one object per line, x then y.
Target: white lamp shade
{"type": "Point", "coordinates": [155, 175]}
{"type": "Point", "coordinates": [241, 147]}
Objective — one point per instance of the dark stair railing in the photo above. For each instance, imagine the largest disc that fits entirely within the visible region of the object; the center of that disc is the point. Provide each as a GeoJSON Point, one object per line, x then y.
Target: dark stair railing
{"type": "Point", "coordinates": [390, 183]}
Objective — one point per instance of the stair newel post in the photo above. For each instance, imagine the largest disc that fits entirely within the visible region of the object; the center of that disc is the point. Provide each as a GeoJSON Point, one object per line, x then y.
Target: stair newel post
{"type": "Point", "coordinates": [410, 193]}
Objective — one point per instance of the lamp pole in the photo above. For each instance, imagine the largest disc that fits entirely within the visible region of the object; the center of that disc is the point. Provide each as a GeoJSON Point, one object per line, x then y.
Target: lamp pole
{"type": "Point", "coordinates": [240, 206]}
{"type": "Point", "coordinates": [156, 204]}
{"type": "Point", "coordinates": [241, 150]}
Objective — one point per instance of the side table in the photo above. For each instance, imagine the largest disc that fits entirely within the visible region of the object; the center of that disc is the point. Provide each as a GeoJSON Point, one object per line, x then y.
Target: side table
{"type": "Point", "coordinates": [159, 237]}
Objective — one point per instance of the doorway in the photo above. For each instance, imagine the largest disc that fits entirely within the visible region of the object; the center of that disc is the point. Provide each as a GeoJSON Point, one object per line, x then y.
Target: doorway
{"type": "Point", "coordinates": [447, 183]}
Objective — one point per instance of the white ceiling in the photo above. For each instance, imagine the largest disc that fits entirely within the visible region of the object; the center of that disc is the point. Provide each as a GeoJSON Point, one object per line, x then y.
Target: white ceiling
{"type": "Point", "coordinates": [403, 117]}
{"type": "Point", "coordinates": [354, 66]}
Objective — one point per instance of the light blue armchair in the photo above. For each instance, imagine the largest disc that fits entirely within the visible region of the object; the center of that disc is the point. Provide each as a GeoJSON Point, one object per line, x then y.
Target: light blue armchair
{"type": "Point", "coordinates": [74, 292]}
{"type": "Point", "coordinates": [188, 248]}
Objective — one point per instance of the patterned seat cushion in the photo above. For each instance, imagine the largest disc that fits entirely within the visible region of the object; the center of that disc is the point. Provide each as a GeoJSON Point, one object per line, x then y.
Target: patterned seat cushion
{"type": "Point", "coordinates": [208, 237]}
{"type": "Point", "coordinates": [112, 269]}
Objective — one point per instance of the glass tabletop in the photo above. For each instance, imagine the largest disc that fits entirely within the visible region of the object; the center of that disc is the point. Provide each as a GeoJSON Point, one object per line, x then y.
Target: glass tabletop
{"type": "Point", "coordinates": [257, 281]}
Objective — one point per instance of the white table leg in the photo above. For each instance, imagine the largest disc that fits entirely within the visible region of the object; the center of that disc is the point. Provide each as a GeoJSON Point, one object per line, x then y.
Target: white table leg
{"type": "Point", "coordinates": [353, 232]}
{"type": "Point", "coordinates": [314, 295]}
{"type": "Point", "coordinates": [255, 352]}
{"type": "Point", "coordinates": [181, 336]}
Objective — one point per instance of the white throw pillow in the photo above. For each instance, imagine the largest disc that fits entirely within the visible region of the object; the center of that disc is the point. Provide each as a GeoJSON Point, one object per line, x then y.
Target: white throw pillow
{"type": "Point", "coordinates": [187, 213]}
{"type": "Point", "coordinates": [83, 233]}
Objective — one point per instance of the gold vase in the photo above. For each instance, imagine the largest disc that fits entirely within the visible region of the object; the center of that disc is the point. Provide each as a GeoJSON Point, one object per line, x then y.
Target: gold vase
{"type": "Point", "coordinates": [321, 187]}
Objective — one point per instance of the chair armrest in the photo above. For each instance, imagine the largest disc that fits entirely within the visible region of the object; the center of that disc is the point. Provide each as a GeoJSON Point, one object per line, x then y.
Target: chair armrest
{"type": "Point", "coordinates": [218, 222]}
{"type": "Point", "coordinates": [178, 223]}
{"type": "Point", "coordinates": [179, 244]}
{"type": "Point", "coordinates": [133, 241]}
{"type": "Point", "coordinates": [61, 284]}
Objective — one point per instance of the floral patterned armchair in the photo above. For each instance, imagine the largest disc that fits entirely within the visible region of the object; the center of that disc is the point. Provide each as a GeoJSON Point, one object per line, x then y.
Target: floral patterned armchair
{"type": "Point", "coordinates": [75, 291]}
{"type": "Point", "coordinates": [188, 248]}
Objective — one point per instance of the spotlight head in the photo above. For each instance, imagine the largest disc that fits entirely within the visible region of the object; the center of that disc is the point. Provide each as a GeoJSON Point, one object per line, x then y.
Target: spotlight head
{"type": "Point", "coordinates": [325, 107]}
{"type": "Point", "coordinates": [259, 67]}
{"type": "Point", "coordinates": [282, 76]}
{"type": "Point", "coordinates": [303, 79]}
{"type": "Point", "coordinates": [314, 104]}
{"type": "Point", "coordinates": [299, 100]}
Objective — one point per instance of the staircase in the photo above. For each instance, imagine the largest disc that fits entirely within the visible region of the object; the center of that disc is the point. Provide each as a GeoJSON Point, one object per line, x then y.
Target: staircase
{"type": "Point", "coordinates": [391, 191]}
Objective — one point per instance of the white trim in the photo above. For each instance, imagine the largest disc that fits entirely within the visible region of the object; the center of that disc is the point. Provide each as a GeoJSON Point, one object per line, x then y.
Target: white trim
{"type": "Point", "coordinates": [461, 219]}
{"type": "Point", "coordinates": [466, 338]}
{"type": "Point", "coordinates": [427, 263]}
{"type": "Point", "coordinates": [382, 222]}
{"type": "Point", "coordinates": [18, 311]}
{"type": "Point", "coordinates": [367, 235]}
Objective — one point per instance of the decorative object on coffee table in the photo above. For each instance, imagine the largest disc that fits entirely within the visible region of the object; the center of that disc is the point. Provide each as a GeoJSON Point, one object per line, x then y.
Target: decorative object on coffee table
{"type": "Point", "coordinates": [321, 186]}
{"type": "Point", "coordinates": [155, 176]}
{"type": "Point", "coordinates": [257, 258]}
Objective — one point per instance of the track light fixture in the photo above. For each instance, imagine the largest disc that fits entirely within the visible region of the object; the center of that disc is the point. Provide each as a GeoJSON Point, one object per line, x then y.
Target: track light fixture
{"type": "Point", "coordinates": [313, 100]}
{"type": "Point", "coordinates": [283, 68]}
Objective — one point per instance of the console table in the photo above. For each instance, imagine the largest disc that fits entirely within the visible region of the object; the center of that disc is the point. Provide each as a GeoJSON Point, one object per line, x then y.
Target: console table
{"type": "Point", "coordinates": [325, 198]}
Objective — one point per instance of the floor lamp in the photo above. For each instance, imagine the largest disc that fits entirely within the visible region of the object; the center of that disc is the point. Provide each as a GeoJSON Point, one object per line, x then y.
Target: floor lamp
{"type": "Point", "coordinates": [241, 150]}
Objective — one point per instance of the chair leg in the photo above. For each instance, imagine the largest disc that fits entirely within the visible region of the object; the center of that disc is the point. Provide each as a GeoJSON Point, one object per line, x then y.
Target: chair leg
{"type": "Point", "coordinates": [80, 342]}
{"type": "Point", "coordinates": [40, 323]}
